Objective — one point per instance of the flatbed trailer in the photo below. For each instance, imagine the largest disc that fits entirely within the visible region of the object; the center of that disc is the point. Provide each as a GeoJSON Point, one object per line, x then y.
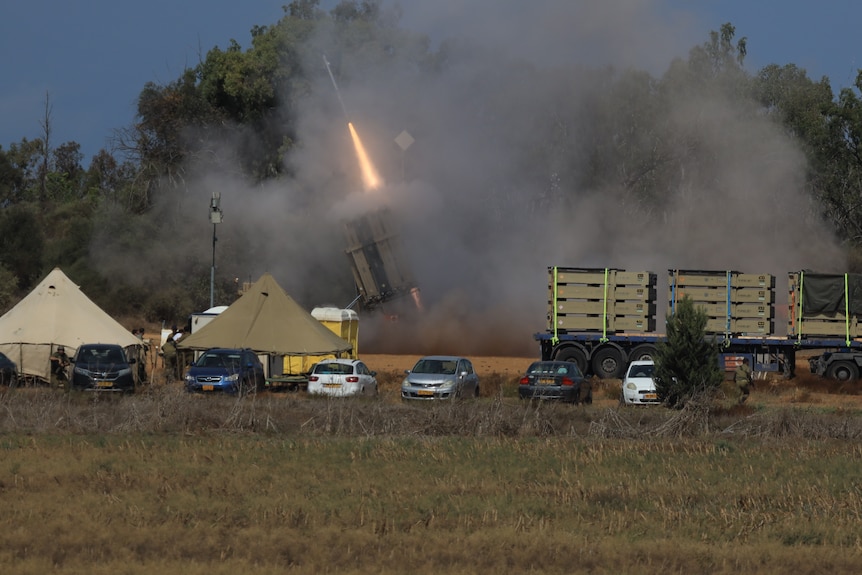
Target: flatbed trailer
{"type": "Point", "coordinates": [602, 319]}
{"type": "Point", "coordinates": [607, 357]}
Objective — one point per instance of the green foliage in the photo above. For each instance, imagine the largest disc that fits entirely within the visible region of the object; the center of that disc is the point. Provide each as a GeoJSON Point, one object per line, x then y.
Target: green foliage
{"type": "Point", "coordinates": [616, 132]}
{"type": "Point", "coordinates": [687, 363]}
{"type": "Point", "coordinates": [8, 288]}
{"type": "Point", "coordinates": [22, 243]}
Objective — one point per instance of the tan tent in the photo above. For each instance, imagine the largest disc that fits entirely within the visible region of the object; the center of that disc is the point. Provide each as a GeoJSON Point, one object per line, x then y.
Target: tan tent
{"type": "Point", "coordinates": [56, 313]}
{"type": "Point", "coordinates": [267, 321]}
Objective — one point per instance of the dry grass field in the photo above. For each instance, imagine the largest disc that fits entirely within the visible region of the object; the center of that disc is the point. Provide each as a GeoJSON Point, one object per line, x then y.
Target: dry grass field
{"type": "Point", "coordinates": [167, 482]}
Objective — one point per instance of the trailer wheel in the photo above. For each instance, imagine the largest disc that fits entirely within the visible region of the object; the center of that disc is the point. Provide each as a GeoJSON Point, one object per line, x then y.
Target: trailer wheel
{"type": "Point", "coordinates": [843, 371]}
{"type": "Point", "coordinates": [574, 355]}
{"type": "Point", "coordinates": [608, 363]}
{"type": "Point", "coordinates": [642, 352]}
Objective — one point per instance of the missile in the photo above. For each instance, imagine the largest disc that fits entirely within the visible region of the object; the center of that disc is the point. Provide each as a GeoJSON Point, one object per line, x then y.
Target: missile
{"type": "Point", "coordinates": [337, 91]}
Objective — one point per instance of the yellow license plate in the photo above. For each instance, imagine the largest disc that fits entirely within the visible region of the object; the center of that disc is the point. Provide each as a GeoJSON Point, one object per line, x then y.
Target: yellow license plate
{"type": "Point", "coordinates": [207, 387]}
{"type": "Point", "coordinates": [547, 381]}
{"type": "Point", "coordinates": [650, 396]}
{"type": "Point", "coordinates": [104, 384]}
{"type": "Point", "coordinates": [424, 392]}
{"type": "Point", "coordinates": [331, 385]}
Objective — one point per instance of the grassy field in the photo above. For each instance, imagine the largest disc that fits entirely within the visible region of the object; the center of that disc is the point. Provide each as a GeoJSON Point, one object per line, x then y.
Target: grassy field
{"type": "Point", "coordinates": [163, 482]}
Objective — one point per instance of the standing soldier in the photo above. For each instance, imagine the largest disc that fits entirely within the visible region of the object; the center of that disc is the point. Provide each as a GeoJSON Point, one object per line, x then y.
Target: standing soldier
{"type": "Point", "coordinates": [169, 351]}
{"type": "Point", "coordinates": [143, 353]}
{"type": "Point", "coordinates": [184, 356]}
{"type": "Point", "coordinates": [59, 363]}
{"type": "Point", "coordinates": [742, 376]}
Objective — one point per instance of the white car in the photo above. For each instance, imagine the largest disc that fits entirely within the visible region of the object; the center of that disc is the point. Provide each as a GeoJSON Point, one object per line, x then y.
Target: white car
{"type": "Point", "coordinates": [639, 385]}
{"type": "Point", "coordinates": [342, 377]}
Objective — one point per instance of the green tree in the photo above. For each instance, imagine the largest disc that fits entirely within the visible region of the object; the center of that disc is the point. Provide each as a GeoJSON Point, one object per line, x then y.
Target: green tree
{"type": "Point", "coordinates": [21, 243]}
{"type": "Point", "coordinates": [687, 362]}
{"type": "Point", "coordinates": [11, 178]}
{"type": "Point", "coordinates": [8, 287]}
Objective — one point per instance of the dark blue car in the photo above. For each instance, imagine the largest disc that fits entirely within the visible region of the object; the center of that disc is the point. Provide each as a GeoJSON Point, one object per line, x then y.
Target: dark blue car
{"type": "Point", "coordinates": [559, 380]}
{"type": "Point", "coordinates": [236, 371]}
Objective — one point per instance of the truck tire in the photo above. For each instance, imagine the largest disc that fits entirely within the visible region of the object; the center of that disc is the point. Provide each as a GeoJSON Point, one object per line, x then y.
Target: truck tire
{"type": "Point", "coordinates": [574, 355]}
{"type": "Point", "coordinates": [843, 371]}
{"type": "Point", "coordinates": [608, 363]}
{"type": "Point", "coordinates": [642, 352]}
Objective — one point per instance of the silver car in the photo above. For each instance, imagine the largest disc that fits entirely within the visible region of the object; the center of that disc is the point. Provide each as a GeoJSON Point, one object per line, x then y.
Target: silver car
{"type": "Point", "coordinates": [440, 377]}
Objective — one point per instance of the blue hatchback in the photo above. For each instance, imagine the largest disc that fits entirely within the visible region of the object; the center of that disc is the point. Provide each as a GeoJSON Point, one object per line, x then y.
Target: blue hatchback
{"type": "Point", "coordinates": [236, 371]}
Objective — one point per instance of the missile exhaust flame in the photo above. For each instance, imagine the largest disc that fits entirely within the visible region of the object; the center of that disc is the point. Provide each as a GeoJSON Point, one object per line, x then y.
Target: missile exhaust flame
{"type": "Point", "coordinates": [370, 178]}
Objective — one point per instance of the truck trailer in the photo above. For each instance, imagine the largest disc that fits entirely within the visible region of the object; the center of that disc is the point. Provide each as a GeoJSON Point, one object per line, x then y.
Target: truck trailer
{"type": "Point", "coordinates": [604, 318]}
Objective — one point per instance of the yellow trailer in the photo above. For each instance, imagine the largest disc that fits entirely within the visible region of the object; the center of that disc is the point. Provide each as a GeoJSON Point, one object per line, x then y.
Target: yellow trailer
{"type": "Point", "coordinates": [342, 322]}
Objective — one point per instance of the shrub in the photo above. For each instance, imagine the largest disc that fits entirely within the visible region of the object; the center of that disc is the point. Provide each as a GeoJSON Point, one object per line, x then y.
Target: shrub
{"type": "Point", "coordinates": [687, 362]}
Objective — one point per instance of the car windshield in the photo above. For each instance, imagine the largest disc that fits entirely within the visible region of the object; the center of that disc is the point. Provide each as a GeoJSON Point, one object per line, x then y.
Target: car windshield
{"type": "Point", "coordinates": [103, 355]}
{"type": "Point", "coordinates": [445, 367]}
{"type": "Point", "coordinates": [231, 361]}
{"type": "Point", "coordinates": [333, 368]}
{"type": "Point", "coordinates": [645, 370]}
{"type": "Point", "coordinates": [553, 368]}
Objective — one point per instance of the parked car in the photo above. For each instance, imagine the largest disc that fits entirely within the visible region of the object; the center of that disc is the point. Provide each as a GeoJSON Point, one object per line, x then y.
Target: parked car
{"type": "Point", "coordinates": [102, 367]}
{"type": "Point", "coordinates": [236, 371]}
{"type": "Point", "coordinates": [440, 377]}
{"type": "Point", "coordinates": [8, 371]}
{"type": "Point", "coordinates": [342, 377]}
{"type": "Point", "coordinates": [555, 380]}
{"type": "Point", "coordinates": [638, 384]}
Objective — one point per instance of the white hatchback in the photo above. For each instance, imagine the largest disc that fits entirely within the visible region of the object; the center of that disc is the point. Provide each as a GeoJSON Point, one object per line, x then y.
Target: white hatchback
{"type": "Point", "coordinates": [342, 377]}
{"type": "Point", "coordinates": [639, 385]}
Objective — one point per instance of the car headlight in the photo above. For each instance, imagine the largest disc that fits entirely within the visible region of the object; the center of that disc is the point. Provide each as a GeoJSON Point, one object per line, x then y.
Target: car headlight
{"type": "Point", "coordinates": [630, 385]}
{"type": "Point", "coordinates": [190, 378]}
{"type": "Point", "coordinates": [447, 384]}
{"type": "Point", "coordinates": [405, 383]}
{"type": "Point", "coordinates": [233, 377]}
{"type": "Point", "coordinates": [122, 372]}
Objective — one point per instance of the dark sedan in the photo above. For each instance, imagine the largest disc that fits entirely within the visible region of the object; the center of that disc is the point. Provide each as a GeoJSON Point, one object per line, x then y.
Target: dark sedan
{"type": "Point", "coordinates": [555, 380]}
{"type": "Point", "coordinates": [8, 371]}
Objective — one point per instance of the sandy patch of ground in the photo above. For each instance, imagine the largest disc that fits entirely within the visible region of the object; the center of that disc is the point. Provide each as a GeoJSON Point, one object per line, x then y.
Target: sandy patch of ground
{"type": "Point", "coordinates": [806, 389]}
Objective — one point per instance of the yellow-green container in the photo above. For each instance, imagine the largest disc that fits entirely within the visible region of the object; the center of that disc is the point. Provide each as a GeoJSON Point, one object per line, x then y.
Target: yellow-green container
{"type": "Point", "coordinates": [342, 322]}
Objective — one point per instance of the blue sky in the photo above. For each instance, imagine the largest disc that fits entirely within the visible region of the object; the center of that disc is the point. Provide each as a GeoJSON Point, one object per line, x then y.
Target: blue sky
{"type": "Point", "coordinates": [93, 57]}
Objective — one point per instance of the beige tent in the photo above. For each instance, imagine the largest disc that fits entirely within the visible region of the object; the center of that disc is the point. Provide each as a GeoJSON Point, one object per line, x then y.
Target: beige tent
{"type": "Point", "coordinates": [267, 321]}
{"type": "Point", "coordinates": [56, 313]}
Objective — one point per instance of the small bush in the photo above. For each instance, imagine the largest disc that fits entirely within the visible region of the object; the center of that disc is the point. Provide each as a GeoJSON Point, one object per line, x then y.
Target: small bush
{"type": "Point", "coordinates": [687, 363]}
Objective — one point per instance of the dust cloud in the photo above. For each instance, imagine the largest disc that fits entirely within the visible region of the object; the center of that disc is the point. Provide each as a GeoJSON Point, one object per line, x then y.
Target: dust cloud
{"type": "Point", "coordinates": [494, 188]}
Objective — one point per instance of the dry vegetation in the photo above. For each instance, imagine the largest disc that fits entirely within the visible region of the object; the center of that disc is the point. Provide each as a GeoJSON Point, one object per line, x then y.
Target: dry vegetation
{"type": "Point", "coordinates": [166, 482]}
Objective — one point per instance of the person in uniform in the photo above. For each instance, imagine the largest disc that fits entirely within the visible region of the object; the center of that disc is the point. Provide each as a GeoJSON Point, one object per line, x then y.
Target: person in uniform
{"type": "Point", "coordinates": [169, 351]}
{"type": "Point", "coordinates": [59, 363]}
{"type": "Point", "coordinates": [742, 376]}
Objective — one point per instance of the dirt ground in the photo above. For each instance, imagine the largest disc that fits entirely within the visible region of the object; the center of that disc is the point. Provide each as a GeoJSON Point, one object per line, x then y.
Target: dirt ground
{"type": "Point", "coordinates": [805, 389]}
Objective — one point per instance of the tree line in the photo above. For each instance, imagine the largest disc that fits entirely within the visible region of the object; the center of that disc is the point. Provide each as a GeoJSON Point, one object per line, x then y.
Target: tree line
{"type": "Point", "coordinates": [54, 208]}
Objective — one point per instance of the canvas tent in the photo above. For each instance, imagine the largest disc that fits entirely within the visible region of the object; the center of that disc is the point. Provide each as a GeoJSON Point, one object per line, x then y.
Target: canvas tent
{"type": "Point", "coordinates": [56, 313]}
{"type": "Point", "coordinates": [268, 321]}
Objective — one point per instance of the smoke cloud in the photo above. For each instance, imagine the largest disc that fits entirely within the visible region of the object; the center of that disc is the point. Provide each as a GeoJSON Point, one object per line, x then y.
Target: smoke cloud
{"type": "Point", "coordinates": [477, 227]}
